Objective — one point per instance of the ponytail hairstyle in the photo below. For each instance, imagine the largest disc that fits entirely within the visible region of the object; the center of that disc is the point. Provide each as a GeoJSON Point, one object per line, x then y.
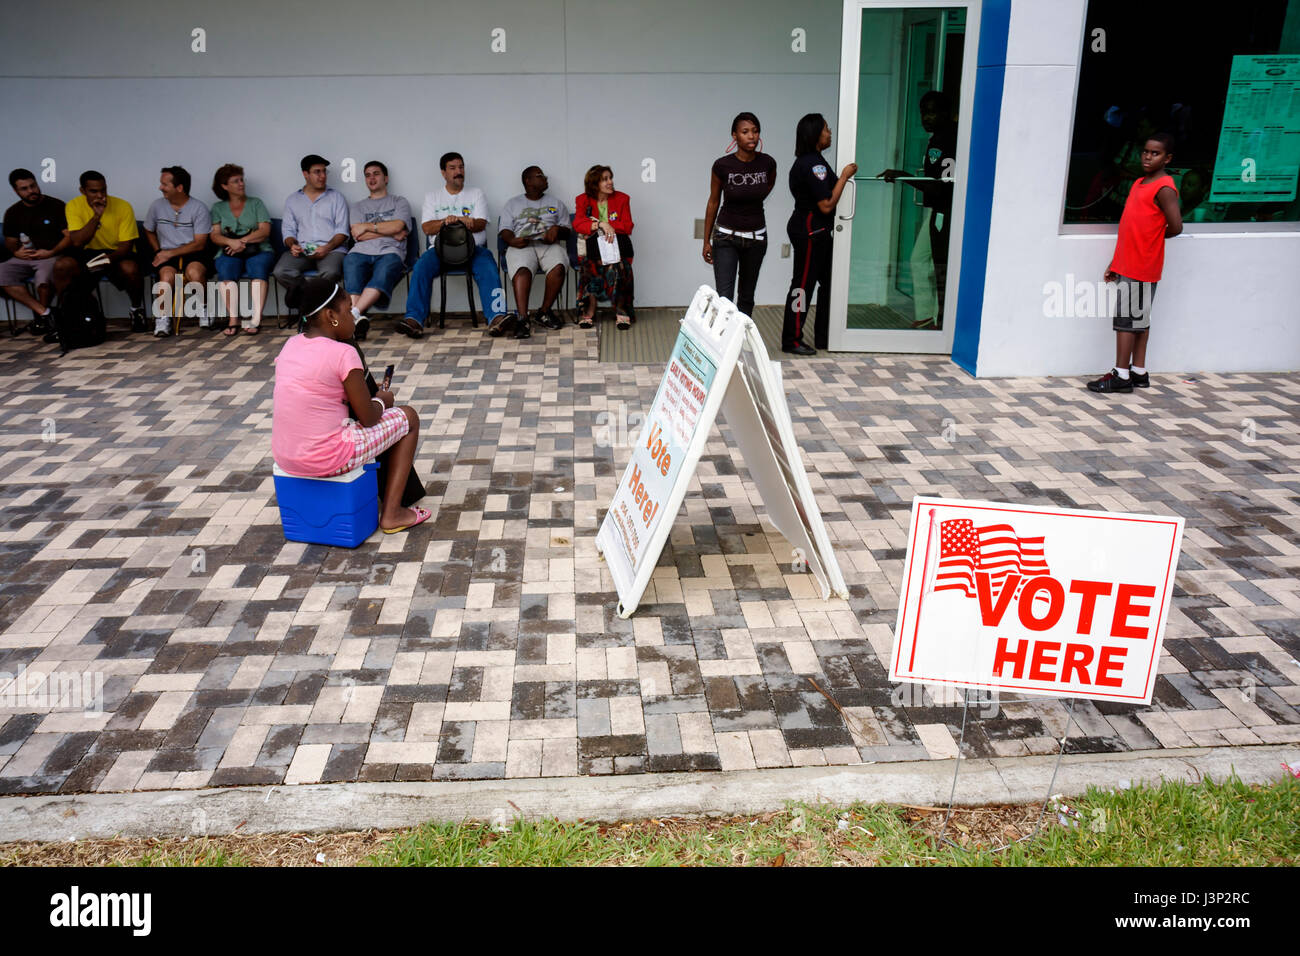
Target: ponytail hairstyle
{"type": "Point", "coordinates": [313, 297]}
{"type": "Point", "coordinates": [807, 134]}
{"type": "Point", "coordinates": [735, 125]}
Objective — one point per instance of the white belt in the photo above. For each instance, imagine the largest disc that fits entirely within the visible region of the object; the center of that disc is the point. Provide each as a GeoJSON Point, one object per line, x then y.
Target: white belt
{"type": "Point", "coordinates": [760, 234]}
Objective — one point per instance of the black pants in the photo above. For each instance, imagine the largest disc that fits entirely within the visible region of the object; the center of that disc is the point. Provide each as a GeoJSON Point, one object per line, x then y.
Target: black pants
{"type": "Point", "coordinates": [731, 253]}
{"type": "Point", "coordinates": [811, 257]}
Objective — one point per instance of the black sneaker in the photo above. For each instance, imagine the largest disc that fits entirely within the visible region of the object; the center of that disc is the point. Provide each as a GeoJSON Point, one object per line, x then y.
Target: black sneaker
{"type": "Point", "coordinates": [551, 320]}
{"type": "Point", "coordinates": [503, 324]}
{"type": "Point", "coordinates": [523, 329]}
{"type": "Point", "coordinates": [799, 349]}
{"type": "Point", "coordinates": [1110, 382]}
{"type": "Point", "coordinates": [362, 327]}
{"type": "Point", "coordinates": [50, 337]}
{"type": "Point", "coordinates": [1140, 381]}
{"type": "Point", "coordinates": [138, 323]}
{"type": "Point", "coordinates": [41, 324]}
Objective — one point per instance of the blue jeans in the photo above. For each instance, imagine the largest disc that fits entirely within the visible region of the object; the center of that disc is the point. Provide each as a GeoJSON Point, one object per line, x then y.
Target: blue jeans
{"type": "Point", "coordinates": [376, 272]}
{"type": "Point", "coordinates": [256, 266]}
{"type": "Point", "coordinates": [491, 298]}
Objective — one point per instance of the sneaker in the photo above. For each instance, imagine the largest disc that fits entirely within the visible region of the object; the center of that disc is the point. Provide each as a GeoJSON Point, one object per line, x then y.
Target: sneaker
{"type": "Point", "coordinates": [138, 323]}
{"type": "Point", "coordinates": [799, 349]}
{"type": "Point", "coordinates": [362, 327]}
{"type": "Point", "coordinates": [523, 330]}
{"type": "Point", "coordinates": [162, 333]}
{"type": "Point", "coordinates": [551, 320]}
{"type": "Point", "coordinates": [502, 324]}
{"type": "Point", "coordinates": [1110, 382]}
{"type": "Point", "coordinates": [1140, 381]}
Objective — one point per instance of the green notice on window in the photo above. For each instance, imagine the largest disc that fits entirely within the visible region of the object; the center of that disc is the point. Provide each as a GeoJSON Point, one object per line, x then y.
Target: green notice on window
{"type": "Point", "coordinates": [1259, 142]}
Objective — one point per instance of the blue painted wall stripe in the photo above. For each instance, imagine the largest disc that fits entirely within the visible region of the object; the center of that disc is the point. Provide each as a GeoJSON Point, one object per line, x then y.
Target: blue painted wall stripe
{"type": "Point", "coordinates": [990, 74]}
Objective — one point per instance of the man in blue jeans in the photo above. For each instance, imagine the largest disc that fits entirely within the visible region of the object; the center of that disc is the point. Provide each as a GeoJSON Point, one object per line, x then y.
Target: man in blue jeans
{"type": "Point", "coordinates": [380, 224]}
{"type": "Point", "coordinates": [455, 202]}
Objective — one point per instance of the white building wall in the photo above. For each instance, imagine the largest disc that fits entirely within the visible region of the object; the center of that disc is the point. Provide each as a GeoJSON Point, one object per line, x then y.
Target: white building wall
{"type": "Point", "coordinates": [117, 87]}
{"type": "Point", "coordinates": [1227, 302]}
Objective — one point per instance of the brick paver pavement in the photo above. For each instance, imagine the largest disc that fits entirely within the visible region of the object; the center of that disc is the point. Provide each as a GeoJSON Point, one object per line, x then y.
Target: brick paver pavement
{"type": "Point", "coordinates": [140, 547]}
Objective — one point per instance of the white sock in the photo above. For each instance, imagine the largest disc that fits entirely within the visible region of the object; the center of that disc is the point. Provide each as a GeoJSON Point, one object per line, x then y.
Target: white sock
{"type": "Point", "coordinates": [357, 315]}
{"type": "Point", "coordinates": [1137, 370]}
{"type": "Point", "coordinates": [1122, 373]}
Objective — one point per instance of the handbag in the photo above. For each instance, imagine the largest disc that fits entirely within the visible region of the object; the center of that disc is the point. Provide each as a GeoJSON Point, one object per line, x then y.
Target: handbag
{"type": "Point", "coordinates": [249, 250]}
{"type": "Point", "coordinates": [454, 244]}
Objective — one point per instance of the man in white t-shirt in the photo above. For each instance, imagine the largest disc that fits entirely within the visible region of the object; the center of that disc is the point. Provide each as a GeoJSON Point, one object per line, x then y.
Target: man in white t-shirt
{"type": "Point", "coordinates": [459, 203]}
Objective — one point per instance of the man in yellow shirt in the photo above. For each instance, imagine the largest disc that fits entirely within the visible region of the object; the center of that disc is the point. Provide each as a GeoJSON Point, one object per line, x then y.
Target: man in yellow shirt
{"type": "Point", "coordinates": [100, 224]}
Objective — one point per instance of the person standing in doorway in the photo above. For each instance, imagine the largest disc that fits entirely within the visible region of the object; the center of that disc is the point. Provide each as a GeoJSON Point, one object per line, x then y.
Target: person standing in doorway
{"type": "Point", "coordinates": [809, 229]}
{"type": "Point", "coordinates": [735, 238]}
{"type": "Point", "coordinates": [930, 252]}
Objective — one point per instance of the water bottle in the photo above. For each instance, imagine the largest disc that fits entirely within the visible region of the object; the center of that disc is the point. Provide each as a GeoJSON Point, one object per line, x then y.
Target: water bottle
{"type": "Point", "coordinates": [26, 240]}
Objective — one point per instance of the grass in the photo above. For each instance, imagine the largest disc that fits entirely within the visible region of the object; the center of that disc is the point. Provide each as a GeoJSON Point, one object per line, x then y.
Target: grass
{"type": "Point", "coordinates": [1174, 824]}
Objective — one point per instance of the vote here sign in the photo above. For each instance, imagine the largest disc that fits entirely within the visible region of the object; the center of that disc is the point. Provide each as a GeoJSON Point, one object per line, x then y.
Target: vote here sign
{"type": "Point", "coordinates": [1035, 600]}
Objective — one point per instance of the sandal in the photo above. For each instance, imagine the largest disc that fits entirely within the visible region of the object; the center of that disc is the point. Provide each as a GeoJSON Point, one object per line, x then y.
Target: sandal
{"type": "Point", "coordinates": [252, 330]}
{"type": "Point", "coordinates": [230, 330]}
{"type": "Point", "coordinates": [421, 516]}
{"type": "Point", "coordinates": [622, 323]}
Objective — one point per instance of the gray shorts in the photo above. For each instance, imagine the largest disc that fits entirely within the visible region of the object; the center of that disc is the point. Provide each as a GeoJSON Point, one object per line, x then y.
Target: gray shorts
{"type": "Point", "coordinates": [536, 257]}
{"type": "Point", "coordinates": [1133, 300]}
{"type": "Point", "coordinates": [18, 271]}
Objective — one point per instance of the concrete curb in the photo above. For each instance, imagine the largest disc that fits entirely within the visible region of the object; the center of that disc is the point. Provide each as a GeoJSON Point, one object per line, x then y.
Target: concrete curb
{"type": "Point", "coordinates": [358, 806]}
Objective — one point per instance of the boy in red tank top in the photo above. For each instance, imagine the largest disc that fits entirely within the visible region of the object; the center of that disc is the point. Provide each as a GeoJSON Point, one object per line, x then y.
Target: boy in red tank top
{"type": "Point", "coordinates": [1151, 215]}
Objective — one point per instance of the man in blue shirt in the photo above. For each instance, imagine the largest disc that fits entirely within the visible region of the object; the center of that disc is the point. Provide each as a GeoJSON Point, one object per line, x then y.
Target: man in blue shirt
{"type": "Point", "coordinates": [316, 224]}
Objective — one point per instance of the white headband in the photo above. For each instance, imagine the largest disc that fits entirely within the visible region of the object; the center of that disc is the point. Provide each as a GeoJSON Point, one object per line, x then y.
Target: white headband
{"type": "Point", "coordinates": [333, 295]}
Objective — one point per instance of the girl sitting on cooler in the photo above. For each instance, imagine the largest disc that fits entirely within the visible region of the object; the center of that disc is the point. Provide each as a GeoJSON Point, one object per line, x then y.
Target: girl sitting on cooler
{"type": "Point", "coordinates": [323, 420]}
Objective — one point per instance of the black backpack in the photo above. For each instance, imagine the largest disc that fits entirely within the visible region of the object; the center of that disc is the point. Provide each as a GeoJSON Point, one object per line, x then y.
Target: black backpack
{"type": "Point", "coordinates": [454, 244]}
{"type": "Point", "coordinates": [78, 320]}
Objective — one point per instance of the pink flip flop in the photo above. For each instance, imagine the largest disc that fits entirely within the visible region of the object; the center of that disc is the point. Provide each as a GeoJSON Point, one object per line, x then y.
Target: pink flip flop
{"type": "Point", "coordinates": [421, 515]}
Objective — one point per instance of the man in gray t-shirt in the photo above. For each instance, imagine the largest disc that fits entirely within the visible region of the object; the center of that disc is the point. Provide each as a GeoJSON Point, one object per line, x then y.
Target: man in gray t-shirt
{"type": "Point", "coordinates": [380, 225]}
{"type": "Point", "coordinates": [534, 227]}
{"type": "Point", "coordinates": [177, 227]}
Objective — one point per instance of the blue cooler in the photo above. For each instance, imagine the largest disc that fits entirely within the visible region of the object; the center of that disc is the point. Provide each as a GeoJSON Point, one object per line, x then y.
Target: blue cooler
{"type": "Point", "coordinates": [342, 510]}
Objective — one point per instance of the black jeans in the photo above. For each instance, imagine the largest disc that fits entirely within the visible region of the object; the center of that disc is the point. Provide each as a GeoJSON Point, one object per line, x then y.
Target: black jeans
{"type": "Point", "coordinates": [811, 261]}
{"type": "Point", "coordinates": [730, 253]}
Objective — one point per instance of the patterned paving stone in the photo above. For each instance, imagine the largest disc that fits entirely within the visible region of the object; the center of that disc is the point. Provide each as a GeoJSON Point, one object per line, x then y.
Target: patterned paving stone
{"type": "Point", "coordinates": [140, 546]}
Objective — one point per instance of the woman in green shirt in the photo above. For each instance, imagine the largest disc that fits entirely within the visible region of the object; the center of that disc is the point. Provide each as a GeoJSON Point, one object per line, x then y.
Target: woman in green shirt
{"type": "Point", "coordinates": [241, 230]}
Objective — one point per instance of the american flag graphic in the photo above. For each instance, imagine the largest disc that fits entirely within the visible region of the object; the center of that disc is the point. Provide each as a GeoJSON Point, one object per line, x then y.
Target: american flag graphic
{"type": "Point", "coordinates": [995, 548]}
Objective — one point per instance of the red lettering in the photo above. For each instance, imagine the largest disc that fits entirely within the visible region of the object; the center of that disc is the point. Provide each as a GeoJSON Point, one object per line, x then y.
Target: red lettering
{"type": "Point", "coordinates": [1125, 608]}
{"type": "Point", "coordinates": [1040, 659]}
{"type": "Point", "coordinates": [1002, 656]}
{"type": "Point", "coordinates": [1110, 659]}
{"type": "Point", "coordinates": [1090, 591]}
{"type": "Point", "coordinates": [990, 613]}
{"type": "Point", "coordinates": [1056, 597]}
{"type": "Point", "coordinates": [1077, 658]}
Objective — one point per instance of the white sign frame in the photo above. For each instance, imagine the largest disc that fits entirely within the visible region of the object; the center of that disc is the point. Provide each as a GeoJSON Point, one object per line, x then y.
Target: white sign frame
{"type": "Point", "coordinates": [753, 400]}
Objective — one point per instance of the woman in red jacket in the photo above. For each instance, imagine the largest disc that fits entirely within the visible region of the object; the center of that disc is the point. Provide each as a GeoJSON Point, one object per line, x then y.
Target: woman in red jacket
{"type": "Point", "coordinates": [602, 211]}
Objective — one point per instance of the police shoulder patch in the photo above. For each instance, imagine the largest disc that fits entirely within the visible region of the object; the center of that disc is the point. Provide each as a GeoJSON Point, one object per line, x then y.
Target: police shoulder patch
{"type": "Point", "coordinates": [819, 171]}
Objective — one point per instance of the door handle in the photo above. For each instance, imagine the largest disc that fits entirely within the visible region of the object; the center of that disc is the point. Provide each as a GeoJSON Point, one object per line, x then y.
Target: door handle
{"type": "Point", "coordinates": [854, 184]}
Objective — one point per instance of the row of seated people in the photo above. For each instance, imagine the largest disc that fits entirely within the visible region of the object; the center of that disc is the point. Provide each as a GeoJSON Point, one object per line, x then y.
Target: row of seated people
{"type": "Point", "coordinates": [362, 244]}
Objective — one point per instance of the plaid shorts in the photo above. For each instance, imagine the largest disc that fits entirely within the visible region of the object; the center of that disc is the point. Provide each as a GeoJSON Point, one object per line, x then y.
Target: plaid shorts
{"type": "Point", "coordinates": [369, 442]}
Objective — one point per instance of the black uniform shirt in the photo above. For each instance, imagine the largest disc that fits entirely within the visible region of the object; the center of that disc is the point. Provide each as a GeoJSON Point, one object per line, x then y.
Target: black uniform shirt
{"type": "Point", "coordinates": [812, 180]}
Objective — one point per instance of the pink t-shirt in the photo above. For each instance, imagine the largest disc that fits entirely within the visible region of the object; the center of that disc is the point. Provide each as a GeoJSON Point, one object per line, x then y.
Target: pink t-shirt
{"type": "Point", "coordinates": [310, 409]}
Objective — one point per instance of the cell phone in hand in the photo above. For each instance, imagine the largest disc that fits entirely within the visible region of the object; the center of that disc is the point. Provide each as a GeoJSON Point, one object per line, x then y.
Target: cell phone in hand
{"type": "Point", "coordinates": [388, 378]}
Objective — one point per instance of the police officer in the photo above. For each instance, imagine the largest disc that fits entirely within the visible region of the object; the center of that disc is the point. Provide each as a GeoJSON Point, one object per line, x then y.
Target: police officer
{"type": "Point", "coordinates": [930, 253]}
{"type": "Point", "coordinates": [809, 229]}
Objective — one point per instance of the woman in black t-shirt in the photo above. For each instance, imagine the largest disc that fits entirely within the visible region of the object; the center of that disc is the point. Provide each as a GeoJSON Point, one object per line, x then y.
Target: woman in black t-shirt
{"type": "Point", "coordinates": [809, 230]}
{"type": "Point", "coordinates": [736, 237]}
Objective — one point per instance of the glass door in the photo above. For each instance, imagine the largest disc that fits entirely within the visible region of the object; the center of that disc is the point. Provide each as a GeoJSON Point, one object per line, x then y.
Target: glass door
{"type": "Point", "coordinates": [905, 86]}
